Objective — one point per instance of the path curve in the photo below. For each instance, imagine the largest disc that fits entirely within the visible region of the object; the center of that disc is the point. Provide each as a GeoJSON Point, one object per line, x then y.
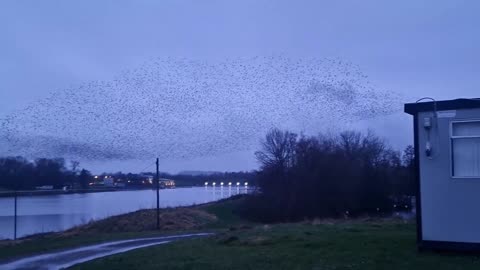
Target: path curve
{"type": "Point", "coordinates": [68, 258]}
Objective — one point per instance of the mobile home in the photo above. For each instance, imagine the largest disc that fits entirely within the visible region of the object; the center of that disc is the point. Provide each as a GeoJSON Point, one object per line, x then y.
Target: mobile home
{"type": "Point", "coordinates": [447, 158]}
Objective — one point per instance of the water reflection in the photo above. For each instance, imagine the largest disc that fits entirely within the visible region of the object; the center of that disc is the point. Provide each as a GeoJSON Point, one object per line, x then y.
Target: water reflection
{"type": "Point", "coordinates": [59, 212]}
{"type": "Point", "coordinates": [221, 192]}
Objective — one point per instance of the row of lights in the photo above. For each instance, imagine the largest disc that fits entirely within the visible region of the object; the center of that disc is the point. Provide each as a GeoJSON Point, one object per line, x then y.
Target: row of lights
{"type": "Point", "coordinates": [96, 176]}
{"type": "Point", "coordinates": [229, 183]}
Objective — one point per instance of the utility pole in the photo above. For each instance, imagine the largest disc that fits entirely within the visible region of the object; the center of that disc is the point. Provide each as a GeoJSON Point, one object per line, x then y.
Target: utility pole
{"type": "Point", "coordinates": [15, 217]}
{"type": "Point", "coordinates": [158, 196]}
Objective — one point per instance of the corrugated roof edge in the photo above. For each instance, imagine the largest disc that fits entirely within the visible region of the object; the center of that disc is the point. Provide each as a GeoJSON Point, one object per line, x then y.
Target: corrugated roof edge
{"type": "Point", "coordinates": [442, 105]}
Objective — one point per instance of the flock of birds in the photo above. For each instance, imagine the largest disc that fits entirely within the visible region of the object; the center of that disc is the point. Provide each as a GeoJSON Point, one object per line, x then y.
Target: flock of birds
{"type": "Point", "coordinates": [181, 108]}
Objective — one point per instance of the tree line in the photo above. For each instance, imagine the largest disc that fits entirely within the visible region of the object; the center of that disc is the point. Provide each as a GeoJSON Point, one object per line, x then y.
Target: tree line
{"type": "Point", "coordinates": [17, 173]}
{"type": "Point", "coordinates": [347, 174]}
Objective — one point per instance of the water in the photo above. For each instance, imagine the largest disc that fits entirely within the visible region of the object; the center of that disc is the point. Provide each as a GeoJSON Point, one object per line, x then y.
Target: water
{"type": "Point", "coordinates": [39, 214]}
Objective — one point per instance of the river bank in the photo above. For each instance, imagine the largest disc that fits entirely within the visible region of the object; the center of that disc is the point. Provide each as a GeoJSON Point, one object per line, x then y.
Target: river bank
{"type": "Point", "coordinates": [209, 217]}
{"type": "Point", "coordinates": [366, 243]}
{"type": "Point", "coordinates": [54, 213]}
{"type": "Point", "coordinates": [11, 193]}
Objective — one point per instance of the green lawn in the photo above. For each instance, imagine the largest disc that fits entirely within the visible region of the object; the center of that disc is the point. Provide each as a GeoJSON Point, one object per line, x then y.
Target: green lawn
{"type": "Point", "coordinates": [293, 246]}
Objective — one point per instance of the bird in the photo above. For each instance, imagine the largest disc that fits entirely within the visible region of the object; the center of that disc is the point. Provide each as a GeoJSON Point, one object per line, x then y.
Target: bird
{"type": "Point", "coordinates": [180, 108]}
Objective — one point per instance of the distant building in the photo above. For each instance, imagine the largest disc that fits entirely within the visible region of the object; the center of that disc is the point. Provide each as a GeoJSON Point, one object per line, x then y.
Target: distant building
{"type": "Point", "coordinates": [44, 188]}
{"type": "Point", "coordinates": [108, 182]}
{"type": "Point", "coordinates": [149, 179]}
{"type": "Point", "coordinates": [120, 184]}
{"type": "Point", "coordinates": [167, 183]}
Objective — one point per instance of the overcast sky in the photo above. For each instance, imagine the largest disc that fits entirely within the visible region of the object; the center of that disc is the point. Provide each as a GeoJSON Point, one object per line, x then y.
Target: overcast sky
{"type": "Point", "coordinates": [417, 48]}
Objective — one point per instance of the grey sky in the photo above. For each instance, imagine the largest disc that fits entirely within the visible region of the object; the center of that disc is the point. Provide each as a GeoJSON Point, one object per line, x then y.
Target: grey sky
{"type": "Point", "coordinates": [417, 48]}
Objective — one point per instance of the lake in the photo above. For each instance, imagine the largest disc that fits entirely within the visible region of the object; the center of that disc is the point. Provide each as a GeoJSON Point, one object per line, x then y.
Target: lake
{"type": "Point", "coordinates": [39, 214]}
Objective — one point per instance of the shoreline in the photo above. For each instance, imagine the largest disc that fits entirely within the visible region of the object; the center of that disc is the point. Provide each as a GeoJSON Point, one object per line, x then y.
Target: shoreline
{"type": "Point", "coordinates": [133, 216]}
{"type": "Point", "coordinates": [142, 216]}
{"type": "Point", "coordinates": [23, 193]}
{"type": "Point", "coordinates": [239, 243]}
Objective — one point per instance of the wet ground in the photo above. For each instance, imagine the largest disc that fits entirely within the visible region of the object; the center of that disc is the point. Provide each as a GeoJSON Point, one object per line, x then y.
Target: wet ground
{"type": "Point", "coordinates": [68, 258]}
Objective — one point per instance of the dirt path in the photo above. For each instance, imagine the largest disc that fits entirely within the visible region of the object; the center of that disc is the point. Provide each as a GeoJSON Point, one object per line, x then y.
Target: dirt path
{"type": "Point", "coordinates": [67, 258]}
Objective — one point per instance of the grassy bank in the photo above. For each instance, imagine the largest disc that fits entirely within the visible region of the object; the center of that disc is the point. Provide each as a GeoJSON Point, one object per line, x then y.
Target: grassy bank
{"type": "Point", "coordinates": [293, 246]}
{"type": "Point", "coordinates": [210, 217]}
{"type": "Point", "coordinates": [239, 244]}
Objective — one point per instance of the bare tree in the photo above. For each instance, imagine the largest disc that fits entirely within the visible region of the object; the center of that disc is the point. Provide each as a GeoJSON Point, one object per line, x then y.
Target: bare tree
{"type": "Point", "coordinates": [409, 157]}
{"type": "Point", "coordinates": [350, 173]}
{"type": "Point", "coordinates": [277, 149]}
{"type": "Point", "coordinates": [74, 165]}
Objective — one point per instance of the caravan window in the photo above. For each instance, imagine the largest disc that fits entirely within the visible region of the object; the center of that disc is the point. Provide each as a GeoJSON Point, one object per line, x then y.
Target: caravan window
{"type": "Point", "coordinates": [465, 140]}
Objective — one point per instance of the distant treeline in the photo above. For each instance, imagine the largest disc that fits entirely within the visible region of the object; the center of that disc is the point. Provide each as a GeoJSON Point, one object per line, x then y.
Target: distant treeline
{"type": "Point", "coordinates": [348, 174]}
{"type": "Point", "coordinates": [20, 173]}
{"type": "Point", "coordinates": [183, 180]}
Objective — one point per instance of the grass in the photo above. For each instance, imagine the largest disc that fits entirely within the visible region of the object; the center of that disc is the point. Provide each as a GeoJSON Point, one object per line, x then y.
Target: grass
{"type": "Point", "coordinates": [293, 246]}
{"type": "Point", "coordinates": [171, 219]}
{"type": "Point", "coordinates": [224, 210]}
{"type": "Point", "coordinates": [208, 217]}
{"type": "Point", "coordinates": [239, 244]}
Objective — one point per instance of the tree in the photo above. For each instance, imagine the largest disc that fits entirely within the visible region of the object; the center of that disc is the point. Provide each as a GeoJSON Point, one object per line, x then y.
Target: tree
{"type": "Point", "coordinates": [50, 171]}
{"type": "Point", "coordinates": [20, 173]}
{"type": "Point", "coordinates": [324, 176]}
{"type": "Point", "coordinates": [409, 157]}
{"type": "Point", "coordinates": [278, 149]}
{"type": "Point", "coordinates": [84, 178]}
{"type": "Point", "coordinates": [409, 168]}
{"type": "Point", "coordinates": [74, 165]}
{"type": "Point", "coordinates": [277, 157]}
{"type": "Point", "coordinates": [16, 173]}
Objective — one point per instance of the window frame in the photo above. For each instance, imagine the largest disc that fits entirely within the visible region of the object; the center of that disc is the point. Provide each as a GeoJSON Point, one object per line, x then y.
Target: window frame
{"type": "Point", "coordinates": [452, 138]}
